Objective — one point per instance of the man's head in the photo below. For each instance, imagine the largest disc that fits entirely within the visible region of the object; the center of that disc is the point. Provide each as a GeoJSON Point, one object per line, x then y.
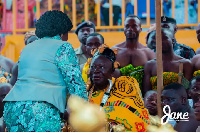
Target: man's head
{"type": "Point", "coordinates": [132, 27]}
{"type": "Point", "coordinates": [198, 32]}
{"type": "Point", "coordinates": [167, 40]}
{"type": "Point", "coordinates": [195, 95]}
{"type": "Point", "coordinates": [53, 23]}
{"type": "Point", "coordinates": [83, 30]}
{"type": "Point", "coordinates": [169, 23]}
{"type": "Point", "coordinates": [150, 102]}
{"type": "Point", "coordinates": [93, 41]}
{"type": "Point", "coordinates": [102, 66]}
{"type": "Point", "coordinates": [29, 37]}
{"type": "Point", "coordinates": [4, 89]}
{"type": "Point", "coordinates": [175, 96]}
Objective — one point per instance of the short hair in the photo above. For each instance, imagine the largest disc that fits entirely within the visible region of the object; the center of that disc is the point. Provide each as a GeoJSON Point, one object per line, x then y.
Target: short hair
{"type": "Point", "coordinates": [133, 16]}
{"type": "Point", "coordinates": [97, 34]}
{"type": "Point", "coordinates": [109, 54]}
{"type": "Point", "coordinates": [177, 87]}
{"type": "Point", "coordinates": [194, 78]}
{"type": "Point", "coordinates": [149, 93]}
{"type": "Point", "coordinates": [53, 23]}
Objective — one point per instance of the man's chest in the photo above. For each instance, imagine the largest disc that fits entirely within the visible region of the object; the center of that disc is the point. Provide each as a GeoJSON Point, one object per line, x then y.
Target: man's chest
{"type": "Point", "coordinates": [136, 58]}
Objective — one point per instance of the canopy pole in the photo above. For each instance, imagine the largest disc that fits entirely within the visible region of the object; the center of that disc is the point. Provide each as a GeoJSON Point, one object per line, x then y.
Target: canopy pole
{"type": "Point", "coordinates": [159, 56]}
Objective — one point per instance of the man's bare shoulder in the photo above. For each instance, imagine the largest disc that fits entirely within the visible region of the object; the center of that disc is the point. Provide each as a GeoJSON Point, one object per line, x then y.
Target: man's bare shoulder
{"type": "Point", "coordinates": [195, 58]}
{"type": "Point", "coordinates": [142, 46]}
{"type": "Point", "coordinates": [118, 46]}
{"type": "Point", "coordinates": [188, 126]}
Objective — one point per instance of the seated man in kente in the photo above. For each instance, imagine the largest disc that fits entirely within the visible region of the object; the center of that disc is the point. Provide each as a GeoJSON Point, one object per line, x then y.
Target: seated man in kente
{"type": "Point", "coordinates": [120, 98]}
{"type": "Point", "coordinates": [171, 63]}
{"type": "Point", "coordinates": [131, 54]}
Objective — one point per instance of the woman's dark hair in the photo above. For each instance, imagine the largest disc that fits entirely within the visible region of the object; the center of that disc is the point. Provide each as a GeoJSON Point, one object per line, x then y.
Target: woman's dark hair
{"type": "Point", "coordinates": [109, 54]}
{"type": "Point", "coordinates": [53, 23]}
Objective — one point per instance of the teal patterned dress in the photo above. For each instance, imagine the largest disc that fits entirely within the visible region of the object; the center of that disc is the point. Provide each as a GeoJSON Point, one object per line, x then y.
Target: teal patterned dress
{"type": "Point", "coordinates": [40, 116]}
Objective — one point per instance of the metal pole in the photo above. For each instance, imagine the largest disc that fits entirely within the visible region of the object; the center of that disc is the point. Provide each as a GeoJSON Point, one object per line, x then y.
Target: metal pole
{"type": "Point", "coordinates": [159, 56]}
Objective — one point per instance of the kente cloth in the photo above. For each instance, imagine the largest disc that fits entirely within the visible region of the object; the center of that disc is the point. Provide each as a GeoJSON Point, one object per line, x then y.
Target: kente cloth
{"type": "Point", "coordinates": [196, 73]}
{"type": "Point", "coordinates": [135, 72]}
{"type": "Point", "coordinates": [125, 105]}
{"type": "Point", "coordinates": [168, 78]}
{"type": "Point", "coordinates": [31, 116]}
{"type": "Point", "coordinates": [84, 71]}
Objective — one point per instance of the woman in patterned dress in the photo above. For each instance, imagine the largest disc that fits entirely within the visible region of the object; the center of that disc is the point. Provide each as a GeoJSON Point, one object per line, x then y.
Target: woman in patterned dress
{"type": "Point", "coordinates": [48, 71]}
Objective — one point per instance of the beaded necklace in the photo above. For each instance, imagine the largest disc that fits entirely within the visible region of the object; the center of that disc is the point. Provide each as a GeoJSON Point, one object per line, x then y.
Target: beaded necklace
{"type": "Point", "coordinates": [106, 93]}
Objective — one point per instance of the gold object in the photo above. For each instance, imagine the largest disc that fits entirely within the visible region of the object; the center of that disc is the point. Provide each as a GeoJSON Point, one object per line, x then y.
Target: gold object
{"type": "Point", "coordinates": [84, 116]}
{"type": "Point", "coordinates": [5, 74]}
{"type": "Point", "coordinates": [116, 64]}
{"type": "Point", "coordinates": [115, 51]}
{"type": "Point", "coordinates": [88, 71]}
{"type": "Point", "coordinates": [3, 80]}
{"type": "Point", "coordinates": [156, 126]}
{"type": "Point", "coordinates": [118, 128]}
{"type": "Point", "coordinates": [93, 51]}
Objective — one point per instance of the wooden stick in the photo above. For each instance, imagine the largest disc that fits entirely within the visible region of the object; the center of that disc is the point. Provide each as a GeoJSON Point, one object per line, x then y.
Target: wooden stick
{"type": "Point", "coordinates": [159, 56]}
{"type": "Point", "coordinates": [180, 75]}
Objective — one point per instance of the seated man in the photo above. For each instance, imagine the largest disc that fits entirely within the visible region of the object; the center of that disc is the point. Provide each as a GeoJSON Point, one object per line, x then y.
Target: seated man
{"type": "Point", "coordinates": [93, 41]}
{"type": "Point", "coordinates": [4, 89]}
{"type": "Point", "coordinates": [179, 49]}
{"type": "Point", "coordinates": [195, 95]}
{"type": "Point", "coordinates": [175, 96]}
{"type": "Point", "coordinates": [150, 102]}
{"type": "Point", "coordinates": [131, 54]}
{"type": "Point", "coordinates": [171, 63]}
{"type": "Point", "coordinates": [116, 95]}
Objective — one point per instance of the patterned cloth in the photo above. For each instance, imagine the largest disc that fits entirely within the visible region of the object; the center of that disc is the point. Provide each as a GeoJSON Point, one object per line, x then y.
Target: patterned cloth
{"type": "Point", "coordinates": [125, 96]}
{"type": "Point", "coordinates": [66, 60]}
{"type": "Point", "coordinates": [135, 72]}
{"type": "Point", "coordinates": [183, 50]}
{"type": "Point", "coordinates": [196, 73]}
{"type": "Point", "coordinates": [168, 78]}
{"type": "Point", "coordinates": [29, 116]}
{"type": "Point", "coordinates": [80, 16]}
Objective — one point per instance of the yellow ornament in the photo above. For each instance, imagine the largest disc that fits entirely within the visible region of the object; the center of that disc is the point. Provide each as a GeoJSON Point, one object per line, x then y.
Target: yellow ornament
{"type": "Point", "coordinates": [105, 46]}
{"type": "Point", "coordinates": [89, 83]}
{"type": "Point", "coordinates": [115, 51]}
{"type": "Point", "coordinates": [93, 51]}
{"type": "Point", "coordinates": [101, 49]}
{"type": "Point", "coordinates": [116, 64]}
{"type": "Point", "coordinates": [3, 80]}
{"type": "Point", "coordinates": [88, 71]}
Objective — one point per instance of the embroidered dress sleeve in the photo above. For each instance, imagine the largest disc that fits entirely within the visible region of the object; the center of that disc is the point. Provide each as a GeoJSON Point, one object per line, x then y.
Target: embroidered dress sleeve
{"type": "Point", "coordinates": [66, 60]}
